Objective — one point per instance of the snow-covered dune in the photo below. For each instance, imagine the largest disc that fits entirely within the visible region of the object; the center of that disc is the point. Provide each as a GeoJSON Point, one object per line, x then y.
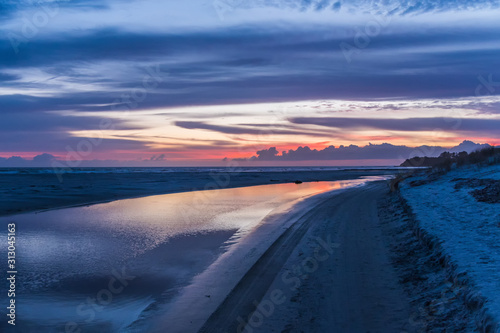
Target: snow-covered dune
{"type": "Point", "coordinates": [459, 212]}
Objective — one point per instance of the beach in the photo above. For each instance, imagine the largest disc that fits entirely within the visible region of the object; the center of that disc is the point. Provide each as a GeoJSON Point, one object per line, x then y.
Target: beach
{"type": "Point", "coordinates": [336, 268]}
{"type": "Point", "coordinates": [271, 166]}
{"type": "Point", "coordinates": [156, 245]}
{"type": "Point", "coordinates": [348, 255]}
{"type": "Point", "coordinates": [332, 272]}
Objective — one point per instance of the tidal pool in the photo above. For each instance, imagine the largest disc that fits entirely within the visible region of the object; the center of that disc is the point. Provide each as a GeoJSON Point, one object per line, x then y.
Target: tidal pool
{"type": "Point", "coordinates": [98, 268]}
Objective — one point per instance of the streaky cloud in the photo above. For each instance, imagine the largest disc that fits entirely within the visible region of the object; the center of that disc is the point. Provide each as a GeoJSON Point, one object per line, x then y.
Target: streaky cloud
{"type": "Point", "coordinates": [405, 124]}
{"type": "Point", "coordinates": [240, 129]}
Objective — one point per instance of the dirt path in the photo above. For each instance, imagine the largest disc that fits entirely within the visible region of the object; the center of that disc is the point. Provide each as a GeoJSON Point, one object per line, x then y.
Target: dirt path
{"type": "Point", "coordinates": [354, 289]}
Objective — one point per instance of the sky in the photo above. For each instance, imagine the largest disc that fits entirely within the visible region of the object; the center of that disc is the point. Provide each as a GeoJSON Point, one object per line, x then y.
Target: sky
{"type": "Point", "coordinates": [205, 82]}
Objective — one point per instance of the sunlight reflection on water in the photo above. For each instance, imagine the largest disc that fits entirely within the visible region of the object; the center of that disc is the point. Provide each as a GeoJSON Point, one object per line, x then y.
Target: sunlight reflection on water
{"type": "Point", "coordinates": [67, 255]}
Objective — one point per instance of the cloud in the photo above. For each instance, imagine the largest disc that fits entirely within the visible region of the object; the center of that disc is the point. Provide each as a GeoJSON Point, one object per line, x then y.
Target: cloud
{"type": "Point", "coordinates": [343, 153]}
{"type": "Point", "coordinates": [389, 7]}
{"type": "Point", "coordinates": [13, 161]}
{"type": "Point", "coordinates": [62, 143]}
{"type": "Point", "coordinates": [370, 152]}
{"type": "Point", "coordinates": [241, 130]}
{"type": "Point", "coordinates": [160, 157]}
{"type": "Point", "coordinates": [50, 161]}
{"type": "Point", "coordinates": [93, 53]}
{"type": "Point", "coordinates": [286, 63]}
{"type": "Point", "coordinates": [406, 124]}
{"type": "Point", "coordinates": [42, 160]}
{"type": "Point", "coordinates": [30, 131]}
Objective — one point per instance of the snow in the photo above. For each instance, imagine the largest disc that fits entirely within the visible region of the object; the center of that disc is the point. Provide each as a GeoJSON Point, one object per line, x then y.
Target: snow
{"type": "Point", "coordinates": [469, 231]}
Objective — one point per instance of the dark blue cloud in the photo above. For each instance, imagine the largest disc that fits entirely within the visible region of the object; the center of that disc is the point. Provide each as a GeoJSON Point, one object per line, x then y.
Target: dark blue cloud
{"type": "Point", "coordinates": [241, 64]}
{"type": "Point", "coordinates": [40, 131]}
{"type": "Point", "coordinates": [39, 121]}
{"type": "Point", "coordinates": [9, 8]}
{"type": "Point", "coordinates": [42, 160]}
{"type": "Point", "coordinates": [406, 124]}
{"type": "Point", "coordinates": [277, 130]}
{"type": "Point", "coordinates": [219, 67]}
{"type": "Point", "coordinates": [26, 141]}
{"type": "Point", "coordinates": [352, 152]}
{"type": "Point", "coordinates": [8, 77]}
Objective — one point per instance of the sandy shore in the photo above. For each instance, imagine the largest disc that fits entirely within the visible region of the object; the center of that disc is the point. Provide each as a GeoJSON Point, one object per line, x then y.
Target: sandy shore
{"type": "Point", "coordinates": [331, 272]}
{"type": "Point", "coordinates": [32, 192]}
{"type": "Point", "coordinates": [348, 262]}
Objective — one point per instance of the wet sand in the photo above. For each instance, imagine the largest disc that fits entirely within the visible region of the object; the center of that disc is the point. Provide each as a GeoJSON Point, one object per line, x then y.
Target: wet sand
{"type": "Point", "coordinates": [329, 271]}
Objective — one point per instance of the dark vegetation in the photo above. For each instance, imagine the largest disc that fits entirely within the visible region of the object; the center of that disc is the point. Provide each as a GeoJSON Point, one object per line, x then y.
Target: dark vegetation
{"type": "Point", "coordinates": [483, 190]}
{"type": "Point", "coordinates": [486, 190]}
{"type": "Point", "coordinates": [438, 166]}
{"type": "Point", "coordinates": [446, 161]}
{"type": "Point", "coordinates": [440, 297]}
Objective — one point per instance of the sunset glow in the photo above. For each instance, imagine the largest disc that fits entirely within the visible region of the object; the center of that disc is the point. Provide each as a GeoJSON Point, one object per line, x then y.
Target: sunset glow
{"type": "Point", "coordinates": [101, 85]}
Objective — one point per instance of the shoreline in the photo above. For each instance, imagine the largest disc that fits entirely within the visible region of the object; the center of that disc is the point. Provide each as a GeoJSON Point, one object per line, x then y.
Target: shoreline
{"type": "Point", "coordinates": [42, 192]}
{"type": "Point", "coordinates": [334, 246]}
{"type": "Point", "coordinates": [142, 236]}
{"type": "Point", "coordinates": [352, 267]}
{"type": "Point", "coordinates": [368, 276]}
{"type": "Point", "coordinates": [365, 267]}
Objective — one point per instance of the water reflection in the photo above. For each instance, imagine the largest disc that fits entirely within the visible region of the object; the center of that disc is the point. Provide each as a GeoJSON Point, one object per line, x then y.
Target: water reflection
{"type": "Point", "coordinates": [66, 258]}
